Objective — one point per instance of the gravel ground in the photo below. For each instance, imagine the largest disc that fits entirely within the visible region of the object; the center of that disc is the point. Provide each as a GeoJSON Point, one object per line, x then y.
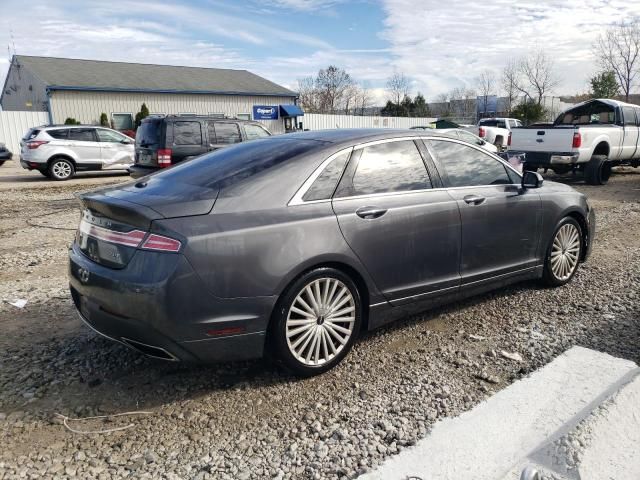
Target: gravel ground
{"type": "Point", "coordinates": [250, 420]}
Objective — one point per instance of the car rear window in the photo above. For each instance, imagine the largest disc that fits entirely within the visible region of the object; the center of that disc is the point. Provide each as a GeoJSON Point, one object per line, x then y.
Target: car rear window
{"type": "Point", "coordinates": [148, 133]}
{"type": "Point", "coordinates": [493, 123]}
{"type": "Point", "coordinates": [230, 165]}
{"type": "Point", "coordinates": [31, 134]}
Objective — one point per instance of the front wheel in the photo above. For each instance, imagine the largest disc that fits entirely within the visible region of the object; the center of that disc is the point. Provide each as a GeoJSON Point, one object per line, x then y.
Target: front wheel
{"type": "Point", "coordinates": [2, 162]}
{"type": "Point", "coordinates": [564, 253]}
{"type": "Point", "coordinates": [61, 169]}
{"type": "Point", "coordinates": [316, 321]}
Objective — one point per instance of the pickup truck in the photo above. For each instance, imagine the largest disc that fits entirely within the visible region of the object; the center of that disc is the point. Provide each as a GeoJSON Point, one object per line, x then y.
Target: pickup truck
{"type": "Point", "coordinates": [590, 137]}
{"type": "Point", "coordinates": [497, 131]}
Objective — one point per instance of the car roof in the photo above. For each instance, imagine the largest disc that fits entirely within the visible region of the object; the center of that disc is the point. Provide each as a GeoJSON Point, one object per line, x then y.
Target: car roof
{"type": "Point", "coordinates": [197, 117]}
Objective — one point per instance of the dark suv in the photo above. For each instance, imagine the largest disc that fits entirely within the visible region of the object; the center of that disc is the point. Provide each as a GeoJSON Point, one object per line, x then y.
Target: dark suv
{"type": "Point", "coordinates": [162, 141]}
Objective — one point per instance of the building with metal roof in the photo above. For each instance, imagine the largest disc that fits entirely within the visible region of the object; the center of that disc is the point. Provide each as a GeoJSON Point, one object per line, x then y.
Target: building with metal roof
{"type": "Point", "coordinates": [84, 89]}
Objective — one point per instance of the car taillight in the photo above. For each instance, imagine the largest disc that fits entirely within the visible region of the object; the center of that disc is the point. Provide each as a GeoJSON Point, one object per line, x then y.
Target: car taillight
{"type": "Point", "coordinates": [481, 132]}
{"type": "Point", "coordinates": [161, 243]}
{"type": "Point", "coordinates": [164, 157]}
{"type": "Point", "coordinates": [577, 140]}
{"type": "Point", "coordinates": [509, 140]}
{"type": "Point", "coordinates": [128, 239]}
{"type": "Point", "coordinates": [33, 144]}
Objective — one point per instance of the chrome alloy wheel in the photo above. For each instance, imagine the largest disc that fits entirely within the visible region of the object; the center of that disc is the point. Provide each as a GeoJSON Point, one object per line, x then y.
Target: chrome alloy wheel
{"type": "Point", "coordinates": [320, 321]}
{"type": "Point", "coordinates": [61, 169]}
{"type": "Point", "coordinates": [565, 251]}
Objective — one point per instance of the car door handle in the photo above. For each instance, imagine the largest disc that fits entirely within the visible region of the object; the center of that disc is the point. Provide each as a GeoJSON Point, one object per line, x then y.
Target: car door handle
{"type": "Point", "coordinates": [474, 199]}
{"type": "Point", "coordinates": [370, 213]}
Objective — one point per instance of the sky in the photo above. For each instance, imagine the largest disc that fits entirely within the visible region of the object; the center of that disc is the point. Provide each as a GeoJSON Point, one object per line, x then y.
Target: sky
{"type": "Point", "coordinates": [439, 45]}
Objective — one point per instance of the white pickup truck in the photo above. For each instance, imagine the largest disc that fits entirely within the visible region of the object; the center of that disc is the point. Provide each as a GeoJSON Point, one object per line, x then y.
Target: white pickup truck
{"type": "Point", "coordinates": [496, 131]}
{"type": "Point", "coordinates": [591, 137]}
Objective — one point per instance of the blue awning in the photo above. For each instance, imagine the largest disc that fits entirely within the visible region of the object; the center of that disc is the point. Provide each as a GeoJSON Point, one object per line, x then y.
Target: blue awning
{"type": "Point", "coordinates": [291, 111]}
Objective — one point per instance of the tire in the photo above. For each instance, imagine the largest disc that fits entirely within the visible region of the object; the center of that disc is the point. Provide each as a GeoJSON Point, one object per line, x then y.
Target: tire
{"type": "Point", "coordinates": [2, 162]}
{"type": "Point", "coordinates": [61, 169]}
{"type": "Point", "coordinates": [45, 173]}
{"type": "Point", "coordinates": [598, 170]}
{"type": "Point", "coordinates": [567, 245]}
{"type": "Point", "coordinates": [303, 337]}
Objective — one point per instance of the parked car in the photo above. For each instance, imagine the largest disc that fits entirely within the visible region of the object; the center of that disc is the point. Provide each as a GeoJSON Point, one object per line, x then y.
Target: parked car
{"type": "Point", "coordinates": [496, 131]}
{"type": "Point", "coordinates": [590, 137]}
{"type": "Point", "coordinates": [59, 151]}
{"type": "Point", "coordinates": [162, 141]}
{"type": "Point", "coordinates": [466, 136]}
{"type": "Point", "coordinates": [5, 154]}
{"type": "Point", "coordinates": [297, 243]}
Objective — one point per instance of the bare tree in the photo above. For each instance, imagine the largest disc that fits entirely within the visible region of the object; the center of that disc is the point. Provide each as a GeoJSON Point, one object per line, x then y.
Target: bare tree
{"type": "Point", "coordinates": [308, 95]}
{"type": "Point", "coordinates": [363, 98]}
{"type": "Point", "coordinates": [398, 86]}
{"type": "Point", "coordinates": [463, 102]}
{"type": "Point", "coordinates": [536, 76]}
{"type": "Point", "coordinates": [350, 98]}
{"type": "Point", "coordinates": [332, 84]}
{"type": "Point", "coordinates": [509, 83]}
{"type": "Point", "coordinates": [618, 49]}
{"type": "Point", "coordinates": [442, 105]}
{"type": "Point", "coordinates": [486, 83]}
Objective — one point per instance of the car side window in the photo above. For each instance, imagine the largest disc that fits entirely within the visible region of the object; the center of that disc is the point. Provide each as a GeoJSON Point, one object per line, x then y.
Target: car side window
{"type": "Point", "coordinates": [384, 168]}
{"type": "Point", "coordinates": [629, 115]}
{"type": "Point", "coordinates": [466, 166]}
{"type": "Point", "coordinates": [61, 134]}
{"type": "Point", "coordinates": [227, 133]}
{"type": "Point", "coordinates": [110, 137]}
{"type": "Point", "coordinates": [82, 134]}
{"type": "Point", "coordinates": [255, 131]}
{"type": "Point", "coordinates": [187, 133]}
{"type": "Point", "coordinates": [324, 186]}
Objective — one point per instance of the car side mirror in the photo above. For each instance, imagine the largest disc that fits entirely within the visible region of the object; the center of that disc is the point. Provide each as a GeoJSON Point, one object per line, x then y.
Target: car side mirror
{"type": "Point", "coordinates": [481, 142]}
{"type": "Point", "coordinates": [531, 179]}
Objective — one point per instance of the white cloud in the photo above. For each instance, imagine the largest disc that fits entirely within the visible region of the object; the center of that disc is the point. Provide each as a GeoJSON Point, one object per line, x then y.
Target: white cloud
{"type": "Point", "coordinates": [443, 45]}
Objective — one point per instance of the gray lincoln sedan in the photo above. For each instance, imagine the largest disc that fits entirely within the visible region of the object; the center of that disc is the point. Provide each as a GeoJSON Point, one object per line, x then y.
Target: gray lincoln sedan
{"type": "Point", "coordinates": [296, 243]}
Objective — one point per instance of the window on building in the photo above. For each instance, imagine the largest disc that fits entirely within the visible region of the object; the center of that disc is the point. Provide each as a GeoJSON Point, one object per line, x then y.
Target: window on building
{"type": "Point", "coordinates": [216, 115]}
{"type": "Point", "coordinates": [226, 133]}
{"type": "Point", "coordinates": [187, 133]}
{"type": "Point", "coordinates": [255, 131]}
{"type": "Point", "coordinates": [244, 116]}
{"type": "Point", "coordinates": [122, 121]}
{"type": "Point", "coordinates": [387, 167]}
{"type": "Point", "coordinates": [82, 134]}
{"type": "Point", "coordinates": [467, 166]}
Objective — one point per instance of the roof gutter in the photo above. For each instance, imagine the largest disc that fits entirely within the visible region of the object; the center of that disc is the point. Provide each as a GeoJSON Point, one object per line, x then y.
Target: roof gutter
{"type": "Point", "coordinates": [150, 90]}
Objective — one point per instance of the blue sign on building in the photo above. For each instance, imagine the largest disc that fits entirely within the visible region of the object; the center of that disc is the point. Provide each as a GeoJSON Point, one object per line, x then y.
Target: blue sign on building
{"type": "Point", "coordinates": [265, 112]}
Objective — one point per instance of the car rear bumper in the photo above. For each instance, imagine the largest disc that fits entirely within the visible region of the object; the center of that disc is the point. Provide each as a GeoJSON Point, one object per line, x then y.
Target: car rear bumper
{"type": "Point", "coordinates": [548, 159]}
{"type": "Point", "coordinates": [137, 171]}
{"type": "Point", "coordinates": [157, 305]}
{"type": "Point", "coordinates": [5, 155]}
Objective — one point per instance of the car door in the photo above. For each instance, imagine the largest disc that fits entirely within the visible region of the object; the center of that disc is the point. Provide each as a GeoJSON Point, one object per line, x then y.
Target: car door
{"type": "Point", "coordinates": [116, 149]}
{"type": "Point", "coordinates": [405, 232]}
{"type": "Point", "coordinates": [631, 133]}
{"type": "Point", "coordinates": [84, 143]}
{"type": "Point", "coordinates": [500, 221]}
{"type": "Point", "coordinates": [223, 134]}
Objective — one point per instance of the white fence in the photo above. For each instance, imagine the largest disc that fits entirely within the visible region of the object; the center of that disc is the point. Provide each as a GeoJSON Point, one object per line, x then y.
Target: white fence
{"type": "Point", "coordinates": [320, 121]}
{"type": "Point", "coordinates": [13, 126]}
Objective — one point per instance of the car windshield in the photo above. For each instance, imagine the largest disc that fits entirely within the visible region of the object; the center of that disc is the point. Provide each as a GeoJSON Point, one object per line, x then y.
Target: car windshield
{"type": "Point", "coordinates": [148, 133]}
{"type": "Point", "coordinates": [230, 165]}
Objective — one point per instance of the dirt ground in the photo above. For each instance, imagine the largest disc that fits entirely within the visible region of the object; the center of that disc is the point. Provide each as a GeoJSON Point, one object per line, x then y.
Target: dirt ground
{"type": "Point", "coordinates": [242, 420]}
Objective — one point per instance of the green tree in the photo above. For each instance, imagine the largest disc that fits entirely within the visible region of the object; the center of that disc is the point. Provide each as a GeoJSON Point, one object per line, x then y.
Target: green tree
{"type": "Point", "coordinates": [391, 110]}
{"type": "Point", "coordinates": [529, 112]}
{"type": "Point", "coordinates": [143, 113]}
{"type": "Point", "coordinates": [71, 121]}
{"type": "Point", "coordinates": [104, 120]}
{"type": "Point", "coordinates": [420, 106]}
{"type": "Point", "coordinates": [604, 85]}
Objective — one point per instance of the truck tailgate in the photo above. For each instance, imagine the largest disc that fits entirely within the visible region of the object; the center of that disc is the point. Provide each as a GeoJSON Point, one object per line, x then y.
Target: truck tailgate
{"type": "Point", "coordinates": [554, 139]}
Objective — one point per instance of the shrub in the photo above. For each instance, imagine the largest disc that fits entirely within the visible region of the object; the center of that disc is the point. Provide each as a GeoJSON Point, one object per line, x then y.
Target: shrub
{"type": "Point", "coordinates": [143, 113]}
{"type": "Point", "coordinates": [71, 121]}
{"type": "Point", "coordinates": [104, 120]}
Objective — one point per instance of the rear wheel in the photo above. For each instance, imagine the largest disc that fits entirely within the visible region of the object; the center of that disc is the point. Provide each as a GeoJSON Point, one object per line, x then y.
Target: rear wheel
{"type": "Point", "coordinates": [563, 253]}
{"type": "Point", "coordinates": [61, 169]}
{"type": "Point", "coordinates": [598, 170]}
{"type": "Point", "coordinates": [2, 162]}
{"type": "Point", "coordinates": [316, 321]}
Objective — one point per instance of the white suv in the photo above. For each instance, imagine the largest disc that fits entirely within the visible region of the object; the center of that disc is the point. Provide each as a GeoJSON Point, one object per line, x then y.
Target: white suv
{"type": "Point", "coordinates": [59, 151]}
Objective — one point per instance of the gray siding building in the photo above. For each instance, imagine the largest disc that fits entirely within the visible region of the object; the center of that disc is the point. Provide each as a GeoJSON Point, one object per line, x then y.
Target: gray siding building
{"type": "Point", "coordinates": [84, 89]}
